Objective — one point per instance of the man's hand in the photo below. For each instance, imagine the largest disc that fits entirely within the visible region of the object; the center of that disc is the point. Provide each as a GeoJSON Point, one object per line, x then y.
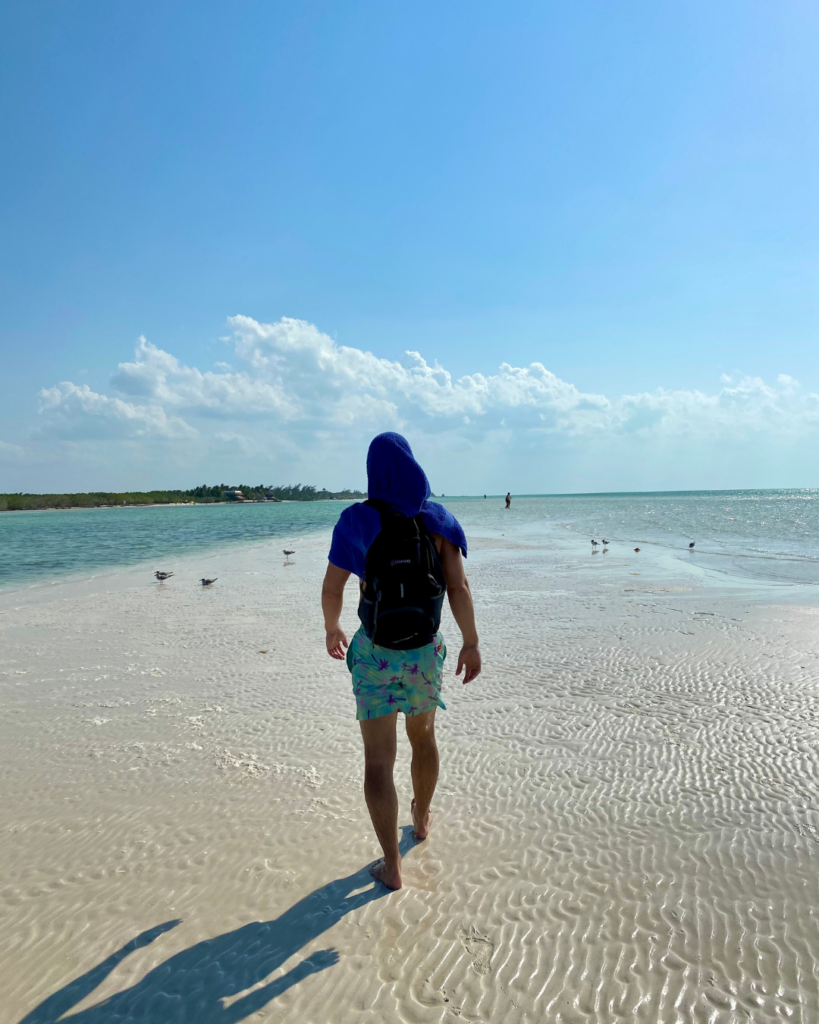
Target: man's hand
{"type": "Point", "coordinates": [469, 659]}
{"type": "Point", "coordinates": [337, 640]}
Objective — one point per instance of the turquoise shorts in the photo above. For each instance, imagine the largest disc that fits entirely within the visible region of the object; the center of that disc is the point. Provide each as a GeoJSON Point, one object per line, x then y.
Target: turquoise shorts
{"type": "Point", "coordinates": [385, 680]}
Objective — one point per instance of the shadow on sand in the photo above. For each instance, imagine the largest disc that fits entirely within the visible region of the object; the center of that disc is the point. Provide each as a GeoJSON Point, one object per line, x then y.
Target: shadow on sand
{"type": "Point", "coordinates": [192, 985]}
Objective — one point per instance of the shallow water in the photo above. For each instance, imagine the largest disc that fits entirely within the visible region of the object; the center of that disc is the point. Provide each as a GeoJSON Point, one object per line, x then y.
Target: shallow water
{"type": "Point", "coordinates": [38, 545]}
{"type": "Point", "coordinates": [768, 536]}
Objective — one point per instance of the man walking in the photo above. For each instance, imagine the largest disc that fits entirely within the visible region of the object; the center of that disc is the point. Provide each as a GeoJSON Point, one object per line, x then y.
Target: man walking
{"type": "Point", "coordinates": [407, 552]}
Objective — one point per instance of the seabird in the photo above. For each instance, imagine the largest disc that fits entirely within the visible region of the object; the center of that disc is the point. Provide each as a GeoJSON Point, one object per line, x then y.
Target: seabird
{"type": "Point", "coordinates": [162, 576]}
{"type": "Point", "coordinates": [605, 541]}
{"type": "Point", "coordinates": [207, 583]}
{"type": "Point", "coordinates": [691, 545]}
{"type": "Point", "coordinates": [594, 543]}
{"type": "Point", "coordinates": [286, 552]}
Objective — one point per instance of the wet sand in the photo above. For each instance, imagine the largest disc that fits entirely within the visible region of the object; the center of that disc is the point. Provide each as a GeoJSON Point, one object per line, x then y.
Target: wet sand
{"type": "Point", "coordinates": [626, 825]}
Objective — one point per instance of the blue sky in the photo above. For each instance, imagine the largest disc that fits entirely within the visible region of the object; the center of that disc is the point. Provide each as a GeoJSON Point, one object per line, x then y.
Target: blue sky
{"type": "Point", "coordinates": [626, 195]}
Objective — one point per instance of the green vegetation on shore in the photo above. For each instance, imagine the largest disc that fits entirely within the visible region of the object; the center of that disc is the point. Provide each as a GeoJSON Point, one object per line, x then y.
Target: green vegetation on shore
{"type": "Point", "coordinates": [198, 495]}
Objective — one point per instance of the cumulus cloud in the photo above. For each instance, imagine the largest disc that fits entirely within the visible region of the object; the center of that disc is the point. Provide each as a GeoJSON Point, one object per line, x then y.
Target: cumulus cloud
{"type": "Point", "coordinates": [161, 378]}
{"type": "Point", "coordinates": [287, 388]}
{"type": "Point", "coordinates": [750, 407]}
{"type": "Point", "coordinates": [342, 383]}
{"type": "Point", "coordinates": [79, 410]}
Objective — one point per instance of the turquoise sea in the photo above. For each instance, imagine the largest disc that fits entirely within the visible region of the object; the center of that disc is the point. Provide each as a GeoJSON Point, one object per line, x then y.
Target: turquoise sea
{"type": "Point", "coordinates": [767, 535]}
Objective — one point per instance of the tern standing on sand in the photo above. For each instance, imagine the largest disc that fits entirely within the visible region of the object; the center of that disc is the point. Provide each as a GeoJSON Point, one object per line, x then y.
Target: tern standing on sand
{"type": "Point", "coordinates": [419, 555]}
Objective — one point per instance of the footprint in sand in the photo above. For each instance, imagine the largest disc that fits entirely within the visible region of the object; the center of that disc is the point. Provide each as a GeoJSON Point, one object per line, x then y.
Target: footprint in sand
{"type": "Point", "coordinates": [479, 948]}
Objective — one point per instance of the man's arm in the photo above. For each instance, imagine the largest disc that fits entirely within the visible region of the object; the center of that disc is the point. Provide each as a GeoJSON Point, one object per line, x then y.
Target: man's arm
{"type": "Point", "coordinates": [332, 601]}
{"type": "Point", "coordinates": [460, 601]}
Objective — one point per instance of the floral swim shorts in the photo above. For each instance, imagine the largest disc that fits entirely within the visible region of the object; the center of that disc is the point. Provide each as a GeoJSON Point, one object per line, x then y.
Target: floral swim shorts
{"type": "Point", "coordinates": [385, 680]}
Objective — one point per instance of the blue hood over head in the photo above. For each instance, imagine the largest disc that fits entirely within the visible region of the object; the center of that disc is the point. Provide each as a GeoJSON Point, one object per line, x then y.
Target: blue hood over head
{"type": "Point", "coordinates": [395, 477]}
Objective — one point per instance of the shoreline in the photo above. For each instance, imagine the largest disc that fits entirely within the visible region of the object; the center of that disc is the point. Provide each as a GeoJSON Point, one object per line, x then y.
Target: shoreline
{"type": "Point", "coordinates": [674, 562]}
{"type": "Point", "coordinates": [730, 540]}
{"type": "Point", "coordinates": [666, 561]}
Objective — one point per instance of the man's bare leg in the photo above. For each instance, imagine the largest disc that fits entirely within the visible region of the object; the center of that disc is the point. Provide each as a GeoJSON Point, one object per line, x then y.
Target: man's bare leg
{"type": "Point", "coordinates": [421, 734]}
{"type": "Point", "coordinates": [379, 792]}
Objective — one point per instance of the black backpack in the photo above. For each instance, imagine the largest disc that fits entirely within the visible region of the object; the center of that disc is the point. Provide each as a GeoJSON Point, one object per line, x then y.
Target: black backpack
{"type": "Point", "coordinates": [400, 606]}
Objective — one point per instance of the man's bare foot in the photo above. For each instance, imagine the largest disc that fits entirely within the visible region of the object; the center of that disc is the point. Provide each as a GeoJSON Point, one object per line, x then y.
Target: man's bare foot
{"type": "Point", "coordinates": [391, 877]}
{"type": "Point", "coordinates": [421, 827]}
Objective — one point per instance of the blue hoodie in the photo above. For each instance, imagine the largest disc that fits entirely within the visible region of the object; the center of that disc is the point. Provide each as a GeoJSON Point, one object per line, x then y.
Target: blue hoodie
{"type": "Point", "coordinates": [394, 476]}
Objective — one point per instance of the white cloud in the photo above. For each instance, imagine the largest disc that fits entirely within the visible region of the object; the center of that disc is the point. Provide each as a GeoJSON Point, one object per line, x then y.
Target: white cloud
{"type": "Point", "coordinates": [297, 391]}
{"type": "Point", "coordinates": [77, 410]}
{"type": "Point", "coordinates": [321, 376]}
{"type": "Point", "coordinates": [751, 407]}
{"type": "Point", "coordinates": [326, 382]}
{"type": "Point", "coordinates": [160, 377]}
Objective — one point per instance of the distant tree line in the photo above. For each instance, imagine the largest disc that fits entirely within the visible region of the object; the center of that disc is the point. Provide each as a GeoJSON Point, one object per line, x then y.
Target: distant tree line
{"type": "Point", "coordinates": [199, 495]}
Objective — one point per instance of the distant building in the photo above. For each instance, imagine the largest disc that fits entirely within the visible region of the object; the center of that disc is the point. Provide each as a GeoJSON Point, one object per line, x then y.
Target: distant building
{"type": "Point", "coordinates": [235, 495]}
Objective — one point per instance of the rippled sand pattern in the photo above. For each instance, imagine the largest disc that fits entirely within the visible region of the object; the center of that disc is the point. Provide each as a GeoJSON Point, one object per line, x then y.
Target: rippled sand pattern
{"type": "Point", "coordinates": [626, 826]}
